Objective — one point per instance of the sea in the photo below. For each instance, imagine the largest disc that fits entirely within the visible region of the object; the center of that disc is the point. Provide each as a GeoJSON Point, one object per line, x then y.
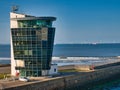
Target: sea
{"type": "Point", "coordinates": [83, 54]}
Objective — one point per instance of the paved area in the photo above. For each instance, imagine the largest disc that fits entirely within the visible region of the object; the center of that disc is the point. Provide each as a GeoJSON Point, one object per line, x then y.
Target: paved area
{"type": "Point", "coordinates": [6, 83]}
{"type": "Point", "coordinates": [5, 69]}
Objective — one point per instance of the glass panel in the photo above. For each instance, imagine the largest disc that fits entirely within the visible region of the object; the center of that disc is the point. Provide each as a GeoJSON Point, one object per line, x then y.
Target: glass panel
{"type": "Point", "coordinates": [30, 52]}
{"type": "Point", "coordinates": [26, 52]}
{"type": "Point", "coordinates": [44, 33]}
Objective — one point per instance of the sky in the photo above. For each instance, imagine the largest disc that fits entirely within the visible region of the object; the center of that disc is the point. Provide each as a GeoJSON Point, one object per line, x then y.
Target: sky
{"type": "Point", "coordinates": [78, 21]}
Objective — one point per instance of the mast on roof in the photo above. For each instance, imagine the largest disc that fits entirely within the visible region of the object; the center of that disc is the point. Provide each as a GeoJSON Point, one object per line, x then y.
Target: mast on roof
{"type": "Point", "coordinates": [14, 8]}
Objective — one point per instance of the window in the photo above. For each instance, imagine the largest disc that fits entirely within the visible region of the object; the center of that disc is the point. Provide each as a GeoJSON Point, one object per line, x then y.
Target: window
{"type": "Point", "coordinates": [26, 52]}
{"type": "Point", "coordinates": [30, 52]}
{"type": "Point", "coordinates": [54, 69]}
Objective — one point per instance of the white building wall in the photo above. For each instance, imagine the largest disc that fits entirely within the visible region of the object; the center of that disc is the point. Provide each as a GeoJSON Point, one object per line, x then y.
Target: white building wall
{"type": "Point", "coordinates": [13, 64]}
{"type": "Point", "coordinates": [54, 69]}
{"type": "Point", "coordinates": [14, 24]}
{"type": "Point", "coordinates": [15, 15]}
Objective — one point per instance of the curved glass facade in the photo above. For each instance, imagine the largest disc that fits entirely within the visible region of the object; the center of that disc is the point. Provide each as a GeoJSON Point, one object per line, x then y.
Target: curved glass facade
{"type": "Point", "coordinates": [33, 45]}
{"type": "Point", "coordinates": [34, 23]}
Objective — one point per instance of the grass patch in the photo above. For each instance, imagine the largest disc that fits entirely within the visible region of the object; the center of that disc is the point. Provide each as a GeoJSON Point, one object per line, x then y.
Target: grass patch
{"type": "Point", "coordinates": [69, 70]}
{"type": "Point", "coordinates": [2, 75]}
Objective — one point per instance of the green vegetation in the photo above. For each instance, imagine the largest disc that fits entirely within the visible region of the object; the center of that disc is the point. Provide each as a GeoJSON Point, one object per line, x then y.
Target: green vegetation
{"type": "Point", "coordinates": [69, 70]}
{"type": "Point", "coordinates": [4, 75]}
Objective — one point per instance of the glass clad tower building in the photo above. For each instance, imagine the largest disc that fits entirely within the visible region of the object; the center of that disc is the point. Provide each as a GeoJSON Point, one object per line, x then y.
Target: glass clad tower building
{"type": "Point", "coordinates": [32, 40]}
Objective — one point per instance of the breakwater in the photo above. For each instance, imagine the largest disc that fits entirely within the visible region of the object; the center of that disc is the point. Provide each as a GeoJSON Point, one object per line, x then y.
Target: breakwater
{"type": "Point", "coordinates": [69, 81]}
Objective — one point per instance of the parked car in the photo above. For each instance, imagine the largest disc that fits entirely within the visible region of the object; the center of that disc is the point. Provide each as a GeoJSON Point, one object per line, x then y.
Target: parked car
{"type": "Point", "coordinates": [25, 79]}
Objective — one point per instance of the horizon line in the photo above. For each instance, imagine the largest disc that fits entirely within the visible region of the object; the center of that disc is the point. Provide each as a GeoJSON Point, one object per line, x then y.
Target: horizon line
{"type": "Point", "coordinates": [74, 43]}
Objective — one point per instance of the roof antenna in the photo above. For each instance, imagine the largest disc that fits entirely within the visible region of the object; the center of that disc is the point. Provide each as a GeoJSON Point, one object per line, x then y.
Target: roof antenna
{"type": "Point", "coordinates": [14, 8]}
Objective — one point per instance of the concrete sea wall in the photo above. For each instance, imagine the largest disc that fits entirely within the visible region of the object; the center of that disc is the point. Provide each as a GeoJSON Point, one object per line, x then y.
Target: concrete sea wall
{"type": "Point", "coordinates": [70, 81]}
